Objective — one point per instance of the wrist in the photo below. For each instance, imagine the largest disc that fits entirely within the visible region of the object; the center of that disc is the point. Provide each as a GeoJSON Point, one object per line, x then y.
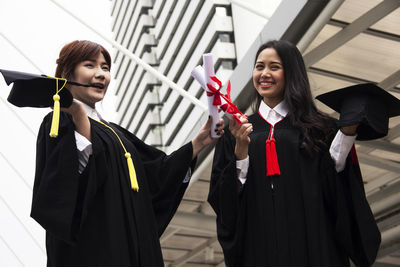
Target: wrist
{"type": "Point", "coordinates": [241, 152]}
{"type": "Point", "coordinates": [197, 147]}
{"type": "Point", "coordinates": [349, 130]}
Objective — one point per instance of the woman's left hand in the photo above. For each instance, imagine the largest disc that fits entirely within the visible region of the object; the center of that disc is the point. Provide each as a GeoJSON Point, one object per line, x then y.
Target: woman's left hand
{"type": "Point", "coordinates": [203, 137]}
{"type": "Point", "coordinates": [349, 130]}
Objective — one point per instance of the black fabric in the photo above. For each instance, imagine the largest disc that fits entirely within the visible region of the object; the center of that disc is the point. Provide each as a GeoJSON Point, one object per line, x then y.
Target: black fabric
{"type": "Point", "coordinates": [96, 219]}
{"type": "Point", "coordinates": [365, 104]}
{"type": "Point", "coordinates": [309, 216]}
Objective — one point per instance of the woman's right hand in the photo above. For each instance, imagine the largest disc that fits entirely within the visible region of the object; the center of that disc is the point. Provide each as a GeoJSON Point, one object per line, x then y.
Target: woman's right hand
{"type": "Point", "coordinates": [241, 133]}
{"type": "Point", "coordinates": [80, 118]}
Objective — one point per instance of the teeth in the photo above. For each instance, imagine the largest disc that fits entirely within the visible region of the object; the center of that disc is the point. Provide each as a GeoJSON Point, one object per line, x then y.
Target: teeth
{"type": "Point", "coordinates": [265, 83]}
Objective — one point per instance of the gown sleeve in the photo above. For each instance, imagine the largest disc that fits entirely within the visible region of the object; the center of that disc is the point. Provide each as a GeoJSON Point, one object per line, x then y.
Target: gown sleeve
{"type": "Point", "coordinates": [355, 225]}
{"type": "Point", "coordinates": [164, 176]}
{"type": "Point", "coordinates": [55, 191]}
{"type": "Point", "coordinates": [225, 197]}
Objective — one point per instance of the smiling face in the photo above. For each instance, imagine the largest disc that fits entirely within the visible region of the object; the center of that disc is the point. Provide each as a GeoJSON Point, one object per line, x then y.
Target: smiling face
{"type": "Point", "coordinates": [268, 77]}
{"type": "Point", "coordinates": [96, 72]}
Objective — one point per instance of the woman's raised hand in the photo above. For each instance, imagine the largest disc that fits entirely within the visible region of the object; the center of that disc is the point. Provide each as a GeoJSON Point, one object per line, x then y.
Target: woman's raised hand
{"type": "Point", "coordinates": [241, 133]}
{"type": "Point", "coordinates": [203, 138]}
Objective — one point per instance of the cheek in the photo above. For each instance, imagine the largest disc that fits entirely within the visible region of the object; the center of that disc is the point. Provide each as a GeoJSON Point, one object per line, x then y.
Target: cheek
{"type": "Point", "coordinates": [255, 78]}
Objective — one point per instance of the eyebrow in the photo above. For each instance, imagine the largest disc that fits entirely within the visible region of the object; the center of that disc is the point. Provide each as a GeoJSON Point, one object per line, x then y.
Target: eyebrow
{"type": "Point", "coordinates": [94, 61]}
{"type": "Point", "coordinates": [272, 62]}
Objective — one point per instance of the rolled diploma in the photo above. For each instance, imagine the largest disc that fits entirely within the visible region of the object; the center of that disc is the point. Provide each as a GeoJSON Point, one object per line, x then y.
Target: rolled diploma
{"type": "Point", "coordinates": [199, 75]}
{"type": "Point", "coordinates": [208, 65]}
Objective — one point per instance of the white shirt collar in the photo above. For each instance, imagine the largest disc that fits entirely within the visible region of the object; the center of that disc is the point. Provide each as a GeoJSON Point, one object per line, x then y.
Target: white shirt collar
{"type": "Point", "coordinates": [281, 109]}
{"type": "Point", "coordinates": [91, 112]}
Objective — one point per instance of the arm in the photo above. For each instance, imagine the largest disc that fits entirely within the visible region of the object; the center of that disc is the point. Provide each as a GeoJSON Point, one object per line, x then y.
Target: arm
{"type": "Point", "coordinates": [341, 145]}
{"type": "Point", "coordinates": [57, 180]}
{"type": "Point", "coordinates": [80, 119]}
{"type": "Point", "coordinates": [164, 174]}
{"type": "Point", "coordinates": [82, 132]}
{"type": "Point", "coordinates": [241, 134]}
{"type": "Point", "coordinates": [354, 224]}
{"type": "Point", "coordinates": [226, 199]}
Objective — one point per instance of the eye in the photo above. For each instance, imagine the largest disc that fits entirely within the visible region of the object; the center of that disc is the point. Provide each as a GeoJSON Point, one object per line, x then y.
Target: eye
{"type": "Point", "coordinates": [275, 67]}
{"type": "Point", "coordinates": [89, 65]}
{"type": "Point", "coordinates": [106, 67]}
{"type": "Point", "coordinates": [259, 66]}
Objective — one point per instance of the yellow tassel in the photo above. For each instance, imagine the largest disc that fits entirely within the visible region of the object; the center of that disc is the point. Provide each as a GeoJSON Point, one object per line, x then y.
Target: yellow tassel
{"type": "Point", "coordinates": [132, 172]}
{"type": "Point", "coordinates": [56, 116]}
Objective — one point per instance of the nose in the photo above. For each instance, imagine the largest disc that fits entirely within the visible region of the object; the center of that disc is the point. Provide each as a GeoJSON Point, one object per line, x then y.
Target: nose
{"type": "Point", "coordinates": [265, 73]}
{"type": "Point", "coordinates": [100, 73]}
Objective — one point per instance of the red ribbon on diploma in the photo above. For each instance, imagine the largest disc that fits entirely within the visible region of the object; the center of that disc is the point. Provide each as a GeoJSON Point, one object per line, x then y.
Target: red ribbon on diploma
{"type": "Point", "coordinates": [228, 107]}
{"type": "Point", "coordinates": [215, 92]}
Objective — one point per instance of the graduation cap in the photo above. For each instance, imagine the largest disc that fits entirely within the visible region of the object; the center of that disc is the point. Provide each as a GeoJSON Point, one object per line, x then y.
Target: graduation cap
{"type": "Point", "coordinates": [365, 104]}
{"type": "Point", "coordinates": [33, 90]}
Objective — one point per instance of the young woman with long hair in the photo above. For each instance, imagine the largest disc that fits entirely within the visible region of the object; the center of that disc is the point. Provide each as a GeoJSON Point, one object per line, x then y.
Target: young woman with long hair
{"type": "Point", "coordinates": [283, 187]}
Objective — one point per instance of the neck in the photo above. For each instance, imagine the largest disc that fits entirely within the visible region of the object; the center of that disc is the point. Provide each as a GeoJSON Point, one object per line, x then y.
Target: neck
{"type": "Point", "coordinates": [272, 102]}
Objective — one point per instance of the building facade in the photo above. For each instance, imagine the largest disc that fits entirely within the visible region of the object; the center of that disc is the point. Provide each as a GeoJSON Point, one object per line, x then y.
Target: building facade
{"type": "Point", "coordinates": [171, 36]}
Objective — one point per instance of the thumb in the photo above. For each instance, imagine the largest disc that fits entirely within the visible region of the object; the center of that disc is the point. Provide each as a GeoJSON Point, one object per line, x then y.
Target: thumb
{"type": "Point", "coordinates": [209, 122]}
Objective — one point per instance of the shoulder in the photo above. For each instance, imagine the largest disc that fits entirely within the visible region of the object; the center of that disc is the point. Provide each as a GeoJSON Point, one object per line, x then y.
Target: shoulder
{"type": "Point", "coordinates": [64, 120]}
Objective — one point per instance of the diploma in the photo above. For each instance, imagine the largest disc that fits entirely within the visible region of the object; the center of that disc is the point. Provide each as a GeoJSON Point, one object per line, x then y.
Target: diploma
{"type": "Point", "coordinates": [199, 75]}
{"type": "Point", "coordinates": [215, 99]}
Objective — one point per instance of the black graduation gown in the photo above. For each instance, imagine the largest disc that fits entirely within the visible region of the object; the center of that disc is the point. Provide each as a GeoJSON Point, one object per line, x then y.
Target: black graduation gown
{"type": "Point", "coordinates": [312, 216]}
{"type": "Point", "coordinates": [96, 219]}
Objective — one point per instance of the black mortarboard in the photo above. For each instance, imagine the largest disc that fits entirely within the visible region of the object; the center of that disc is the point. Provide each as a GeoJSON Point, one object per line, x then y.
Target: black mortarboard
{"type": "Point", "coordinates": [33, 90]}
{"type": "Point", "coordinates": [366, 104]}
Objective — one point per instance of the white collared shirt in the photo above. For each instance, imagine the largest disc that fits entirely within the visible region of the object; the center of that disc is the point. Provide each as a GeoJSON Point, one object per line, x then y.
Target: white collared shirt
{"type": "Point", "coordinates": [340, 146]}
{"type": "Point", "coordinates": [83, 145]}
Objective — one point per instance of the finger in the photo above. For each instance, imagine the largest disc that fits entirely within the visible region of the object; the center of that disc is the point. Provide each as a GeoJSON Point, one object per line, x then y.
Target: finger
{"type": "Point", "coordinates": [220, 126]}
{"type": "Point", "coordinates": [220, 123]}
{"type": "Point", "coordinates": [244, 127]}
{"type": "Point", "coordinates": [243, 120]}
{"type": "Point", "coordinates": [232, 124]}
{"type": "Point", "coordinates": [245, 131]}
{"type": "Point", "coordinates": [208, 123]}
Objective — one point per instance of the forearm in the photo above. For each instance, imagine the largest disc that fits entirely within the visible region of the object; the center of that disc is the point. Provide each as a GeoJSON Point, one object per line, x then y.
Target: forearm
{"type": "Point", "coordinates": [197, 147]}
{"type": "Point", "coordinates": [79, 118]}
{"type": "Point", "coordinates": [241, 150]}
{"type": "Point", "coordinates": [82, 125]}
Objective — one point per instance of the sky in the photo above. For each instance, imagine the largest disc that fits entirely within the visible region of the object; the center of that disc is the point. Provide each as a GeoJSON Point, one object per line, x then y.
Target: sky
{"type": "Point", "coordinates": [40, 29]}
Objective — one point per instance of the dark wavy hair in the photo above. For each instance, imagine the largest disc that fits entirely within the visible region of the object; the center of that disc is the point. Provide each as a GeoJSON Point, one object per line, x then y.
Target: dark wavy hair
{"type": "Point", "coordinates": [316, 127]}
{"type": "Point", "coordinates": [74, 53]}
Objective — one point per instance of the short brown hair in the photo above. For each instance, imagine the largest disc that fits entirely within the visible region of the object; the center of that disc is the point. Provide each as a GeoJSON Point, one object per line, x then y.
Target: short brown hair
{"type": "Point", "coordinates": [74, 53]}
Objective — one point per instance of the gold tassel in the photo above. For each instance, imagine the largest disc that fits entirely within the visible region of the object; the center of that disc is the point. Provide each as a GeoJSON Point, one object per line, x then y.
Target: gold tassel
{"type": "Point", "coordinates": [56, 116]}
{"type": "Point", "coordinates": [132, 172]}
